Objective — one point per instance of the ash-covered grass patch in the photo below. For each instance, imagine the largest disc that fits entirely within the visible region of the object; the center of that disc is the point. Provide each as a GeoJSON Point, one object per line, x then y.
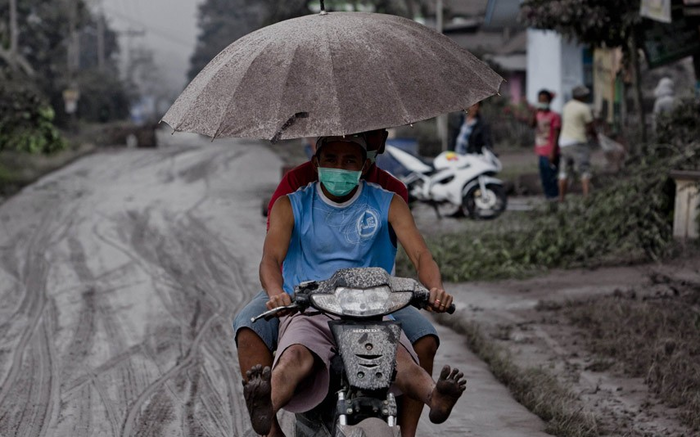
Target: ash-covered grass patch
{"type": "Point", "coordinates": [630, 220]}
{"type": "Point", "coordinates": [18, 169]}
{"type": "Point", "coordinates": [656, 337]}
{"type": "Point", "coordinates": [535, 388]}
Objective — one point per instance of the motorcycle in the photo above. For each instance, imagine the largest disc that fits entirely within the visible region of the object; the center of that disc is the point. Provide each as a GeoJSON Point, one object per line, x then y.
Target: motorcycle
{"type": "Point", "coordinates": [359, 402]}
{"type": "Point", "coordinates": [465, 181]}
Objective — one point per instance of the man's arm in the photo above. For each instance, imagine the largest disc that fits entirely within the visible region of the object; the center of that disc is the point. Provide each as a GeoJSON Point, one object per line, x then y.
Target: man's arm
{"type": "Point", "coordinates": [401, 220]}
{"type": "Point", "coordinates": [275, 250]}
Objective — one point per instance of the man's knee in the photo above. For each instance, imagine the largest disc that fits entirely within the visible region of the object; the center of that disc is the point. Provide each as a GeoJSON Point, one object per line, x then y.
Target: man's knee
{"type": "Point", "coordinates": [426, 347]}
{"type": "Point", "coordinates": [247, 338]}
{"type": "Point", "coordinates": [296, 357]}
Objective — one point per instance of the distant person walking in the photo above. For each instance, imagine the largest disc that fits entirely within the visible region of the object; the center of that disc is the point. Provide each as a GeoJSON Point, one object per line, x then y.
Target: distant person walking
{"type": "Point", "coordinates": [577, 127]}
{"type": "Point", "coordinates": [547, 124]}
{"type": "Point", "coordinates": [474, 133]}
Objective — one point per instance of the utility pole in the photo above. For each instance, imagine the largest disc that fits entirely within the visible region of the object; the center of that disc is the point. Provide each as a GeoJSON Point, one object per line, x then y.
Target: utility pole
{"type": "Point", "coordinates": [441, 119]}
{"type": "Point", "coordinates": [129, 34]}
{"type": "Point", "coordinates": [14, 33]}
{"type": "Point", "coordinates": [71, 94]}
{"type": "Point", "coordinates": [101, 41]}
{"type": "Point", "coordinates": [73, 55]}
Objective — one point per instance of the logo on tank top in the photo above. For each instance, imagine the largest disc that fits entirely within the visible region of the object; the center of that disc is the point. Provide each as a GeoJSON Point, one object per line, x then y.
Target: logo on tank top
{"type": "Point", "coordinates": [367, 224]}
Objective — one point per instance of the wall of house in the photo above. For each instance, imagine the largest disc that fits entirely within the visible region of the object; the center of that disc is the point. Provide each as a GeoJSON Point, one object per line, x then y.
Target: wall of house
{"type": "Point", "coordinates": [553, 63]}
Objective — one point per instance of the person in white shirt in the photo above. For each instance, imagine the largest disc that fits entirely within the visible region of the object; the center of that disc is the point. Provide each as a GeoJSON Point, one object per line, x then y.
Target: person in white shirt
{"type": "Point", "coordinates": [577, 127]}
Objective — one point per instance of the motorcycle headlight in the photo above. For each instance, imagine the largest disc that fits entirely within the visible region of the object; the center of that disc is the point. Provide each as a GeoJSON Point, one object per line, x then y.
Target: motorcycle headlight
{"type": "Point", "coordinates": [361, 302]}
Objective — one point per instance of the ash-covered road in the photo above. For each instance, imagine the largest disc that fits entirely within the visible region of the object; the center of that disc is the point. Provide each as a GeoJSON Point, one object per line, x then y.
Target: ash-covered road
{"type": "Point", "coordinates": [119, 277]}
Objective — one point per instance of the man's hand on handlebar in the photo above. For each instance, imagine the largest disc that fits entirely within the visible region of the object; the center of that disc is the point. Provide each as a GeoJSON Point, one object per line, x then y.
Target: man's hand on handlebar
{"type": "Point", "coordinates": [439, 300]}
{"type": "Point", "coordinates": [279, 300]}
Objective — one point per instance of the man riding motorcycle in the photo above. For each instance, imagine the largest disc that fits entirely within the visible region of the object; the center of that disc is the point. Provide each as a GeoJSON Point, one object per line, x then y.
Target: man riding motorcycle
{"type": "Point", "coordinates": [256, 341]}
{"type": "Point", "coordinates": [337, 223]}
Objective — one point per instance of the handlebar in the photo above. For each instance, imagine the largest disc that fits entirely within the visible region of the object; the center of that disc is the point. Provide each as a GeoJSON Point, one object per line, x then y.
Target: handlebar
{"type": "Point", "coordinates": [271, 314]}
{"type": "Point", "coordinates": [301, 299]}
{"type": "Point", "coordinates": [421, 297]}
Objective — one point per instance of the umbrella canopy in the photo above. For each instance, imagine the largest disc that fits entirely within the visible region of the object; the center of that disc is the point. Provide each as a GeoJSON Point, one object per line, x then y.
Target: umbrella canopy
{"type": "Point", "coordinates": [331, 74]}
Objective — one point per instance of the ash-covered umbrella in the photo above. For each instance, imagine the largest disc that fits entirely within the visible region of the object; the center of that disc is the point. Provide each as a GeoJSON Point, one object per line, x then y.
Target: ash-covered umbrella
{"type": "Point", "coordinates": [331, 74]}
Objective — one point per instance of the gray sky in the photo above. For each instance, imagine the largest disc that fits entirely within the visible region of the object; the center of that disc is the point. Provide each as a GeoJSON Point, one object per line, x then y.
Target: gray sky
{"type": "Point", "coordinates": [171, 32]}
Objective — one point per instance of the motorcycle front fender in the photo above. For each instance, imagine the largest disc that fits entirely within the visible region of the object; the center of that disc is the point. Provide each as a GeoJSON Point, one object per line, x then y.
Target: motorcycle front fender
{"type": "Point", "coordinates": [369, 427]}
{"type": "Point", "coordinates": [480, 179]}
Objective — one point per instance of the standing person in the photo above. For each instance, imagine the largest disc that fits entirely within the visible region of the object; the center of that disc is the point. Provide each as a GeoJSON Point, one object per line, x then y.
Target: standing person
{"type": "Point", "coordinates": [577, 127]}
{"type": "Point", "coordinates": [474, 133]}
{"type": "Point", "coordinates": [547, 124]}
{"type": "Point", "coordinates": [256, 341]}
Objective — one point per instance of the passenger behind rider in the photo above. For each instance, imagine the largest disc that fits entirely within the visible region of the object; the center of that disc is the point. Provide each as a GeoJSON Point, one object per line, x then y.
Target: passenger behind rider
{"type": "Point", "coordinates": [256, 341]}
{"type": "Point", "coordinates": [337, 223]}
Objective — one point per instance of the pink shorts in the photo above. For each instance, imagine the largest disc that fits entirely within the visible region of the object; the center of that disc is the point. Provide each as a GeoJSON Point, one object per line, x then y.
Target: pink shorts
{"type": "Point", "coordinates": [314, 333]}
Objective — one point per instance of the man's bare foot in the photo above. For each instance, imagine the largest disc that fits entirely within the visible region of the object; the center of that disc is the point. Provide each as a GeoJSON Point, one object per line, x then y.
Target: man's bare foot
{"type": "Point", "coordinates": [448, 389]}
{"type": "Point", "coordinates": [257, 392]}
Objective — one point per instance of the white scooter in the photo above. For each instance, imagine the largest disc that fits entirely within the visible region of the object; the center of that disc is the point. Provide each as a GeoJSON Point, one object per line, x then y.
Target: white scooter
{"type": "Point", "coordinates": [465, 181]}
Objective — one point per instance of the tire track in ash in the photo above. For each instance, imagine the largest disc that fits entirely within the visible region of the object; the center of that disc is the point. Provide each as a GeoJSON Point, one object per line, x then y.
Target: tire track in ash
{"type": "Point", "coordinates": [50, 328]}
{"type": "Point", "coordinates": [94, 303]}
{"type": "Point", "coordinates": [197, 277]}
{"type": "Point", "coordinates": [28, 395]}
{"type": "Point", "coordinates": [189, 378]}
{"type": "Point", "coordinates": [139, 233]}
{"type": "Point", "coordinates": [232, 295]}
{"type": "Point", "coordinates": [202, 280]}
{"type": "Point", "coordinates": [13, 299]}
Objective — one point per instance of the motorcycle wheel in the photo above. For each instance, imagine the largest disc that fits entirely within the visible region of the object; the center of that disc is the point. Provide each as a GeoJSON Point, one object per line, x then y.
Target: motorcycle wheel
{"type": "Point", "coordinates": [371, 427]}
{"type": "Point", "coordinates": [487, 206]}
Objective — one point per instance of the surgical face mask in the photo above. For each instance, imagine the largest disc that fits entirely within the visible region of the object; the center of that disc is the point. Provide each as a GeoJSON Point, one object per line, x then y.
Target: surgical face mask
{"type": "Point", "coordinates": [337, 181]}
{"type": "Point", "coordinates": [543, 106]}
{"type": "Point", "coordinates": [372, 156]}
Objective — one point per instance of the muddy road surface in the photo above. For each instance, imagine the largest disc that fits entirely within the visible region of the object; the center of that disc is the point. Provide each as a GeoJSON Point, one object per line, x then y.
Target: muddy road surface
{"type": "Point", "coordinates": [119, 277]}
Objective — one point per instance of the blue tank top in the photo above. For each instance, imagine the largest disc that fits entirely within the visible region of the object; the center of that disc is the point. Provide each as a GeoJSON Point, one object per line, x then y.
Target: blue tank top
{"type": "Point", "coordinates": [328, 236]}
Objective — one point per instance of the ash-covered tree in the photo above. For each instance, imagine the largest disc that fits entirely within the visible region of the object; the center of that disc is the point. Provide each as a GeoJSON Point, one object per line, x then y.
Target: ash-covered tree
{"type": "Point", "coordinates": [598, 23]}
{"type": "Point", "coordinates": [278, 10]}
{"type": "Point", "coordinates": [89, 56]}
{"type": "Point", "coordinates": [44, 35]}
{"type": "Point", "coordinates": [221, 22]}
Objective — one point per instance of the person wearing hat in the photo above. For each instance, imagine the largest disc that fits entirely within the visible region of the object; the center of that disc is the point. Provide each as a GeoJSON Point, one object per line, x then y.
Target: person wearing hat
{"type": "Point", "coordinates": [577, 127]}
{"type": "Point", "coordinates": [340, 221]}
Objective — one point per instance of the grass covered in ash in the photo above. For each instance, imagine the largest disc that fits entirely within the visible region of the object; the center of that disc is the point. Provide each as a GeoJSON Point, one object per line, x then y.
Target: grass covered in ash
{"type": "Point", "coordinates": [18, 169]}
{"type": "Point", "coordinates": [655, 337]}
{"type": "Point", "coordinates": [534, 387]}
{"type": "Point", "coordinates": [629, 220]}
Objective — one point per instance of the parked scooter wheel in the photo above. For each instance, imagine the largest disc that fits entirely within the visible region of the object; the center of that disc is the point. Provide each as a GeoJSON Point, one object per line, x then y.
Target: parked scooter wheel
{"type": "Point", "coordinates": [485, 206]}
